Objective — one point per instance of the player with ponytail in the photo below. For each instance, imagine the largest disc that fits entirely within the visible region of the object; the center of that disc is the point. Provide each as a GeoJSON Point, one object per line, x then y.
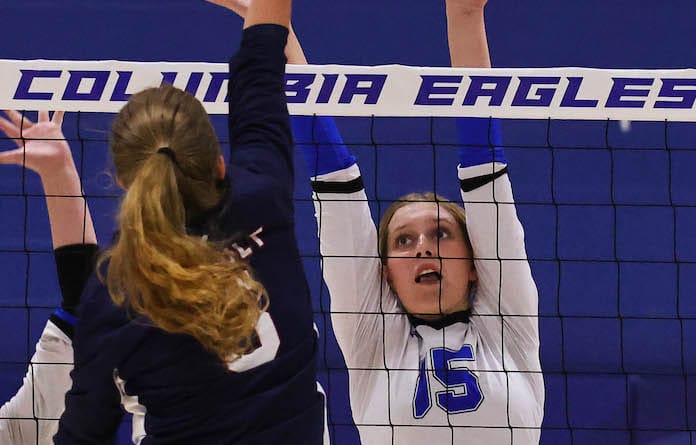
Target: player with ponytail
{"type": "Point", "coordinates": [199, 321]}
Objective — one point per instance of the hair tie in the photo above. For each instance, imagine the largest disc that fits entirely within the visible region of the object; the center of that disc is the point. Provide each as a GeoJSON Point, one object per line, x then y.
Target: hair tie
{"type": "Point", "coordinates": [168, 152]}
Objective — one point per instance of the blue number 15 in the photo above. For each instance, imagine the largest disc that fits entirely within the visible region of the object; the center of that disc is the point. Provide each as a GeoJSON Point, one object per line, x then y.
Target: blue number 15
{"type": "Point", "coordinates": [462, 391]}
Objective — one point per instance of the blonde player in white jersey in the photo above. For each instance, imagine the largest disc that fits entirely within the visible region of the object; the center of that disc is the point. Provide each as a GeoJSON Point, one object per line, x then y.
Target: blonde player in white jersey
{"type": "Point", "coordinates": [441, 349]}
{"type": "Point", "coordinates": [31, 416]}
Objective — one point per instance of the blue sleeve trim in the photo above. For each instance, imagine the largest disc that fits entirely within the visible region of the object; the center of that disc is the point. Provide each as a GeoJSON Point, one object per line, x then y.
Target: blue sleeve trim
{"type": "Point", "coordinates": [320, 142]}
{"type": "Point", "coordinates": [480, 141]}
{"type": "Point", "coordinates": [66, 316]}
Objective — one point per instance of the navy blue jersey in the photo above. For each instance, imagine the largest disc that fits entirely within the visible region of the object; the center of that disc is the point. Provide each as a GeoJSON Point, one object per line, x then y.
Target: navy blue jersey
{"type": "Point", "coordinates": [177, 391]}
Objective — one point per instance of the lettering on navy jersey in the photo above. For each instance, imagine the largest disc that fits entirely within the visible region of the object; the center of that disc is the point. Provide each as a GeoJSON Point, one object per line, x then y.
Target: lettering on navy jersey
{"type": "Point", "coordinates": [246, 244]}
{"type": "Point", "coordinates": [265, 340]}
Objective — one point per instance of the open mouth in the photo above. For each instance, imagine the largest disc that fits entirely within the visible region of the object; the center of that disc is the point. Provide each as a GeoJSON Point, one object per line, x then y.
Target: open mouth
{"type": "Point", "coordinates": [429, 276]}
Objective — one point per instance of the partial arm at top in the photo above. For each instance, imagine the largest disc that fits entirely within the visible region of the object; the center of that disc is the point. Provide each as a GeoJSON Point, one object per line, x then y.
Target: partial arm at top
{"type": "Point", "coordinates": [318, 138]}
{"type": "Point", "coordinates": [293, 49]}
{"type": "Point", "coordinates": [268, 11]}
{"type": "Point", "coordinates": [259, 124]}
{"type": "Point", "coordinates": [466, 34]}
{"type": "Point", "coordinates": [480, 138]}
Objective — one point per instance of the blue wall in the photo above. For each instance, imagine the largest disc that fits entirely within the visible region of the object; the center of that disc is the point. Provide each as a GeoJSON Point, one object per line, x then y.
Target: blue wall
{"type": "Point", "coordinates": [595, 33]}
{"type": "Point", "coordinates": [609, 231]}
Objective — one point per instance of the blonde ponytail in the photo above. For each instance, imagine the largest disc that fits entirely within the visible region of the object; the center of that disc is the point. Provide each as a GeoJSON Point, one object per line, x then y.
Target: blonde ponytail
{"type": "Point", "coordinates": [182, 283]}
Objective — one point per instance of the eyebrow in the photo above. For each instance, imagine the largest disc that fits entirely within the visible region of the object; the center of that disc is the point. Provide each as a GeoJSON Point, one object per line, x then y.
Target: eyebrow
{"type": "Point", "coordinates": [439, 221]}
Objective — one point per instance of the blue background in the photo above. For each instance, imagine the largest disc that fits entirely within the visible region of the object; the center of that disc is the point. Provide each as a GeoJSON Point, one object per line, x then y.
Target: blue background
{"type": "Point", "coordinates": [610, 231]}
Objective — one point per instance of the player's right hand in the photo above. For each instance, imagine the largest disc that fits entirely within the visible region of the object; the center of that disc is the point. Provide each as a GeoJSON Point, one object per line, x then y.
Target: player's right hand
{"type": "Point", "coordinates": [41, 145]}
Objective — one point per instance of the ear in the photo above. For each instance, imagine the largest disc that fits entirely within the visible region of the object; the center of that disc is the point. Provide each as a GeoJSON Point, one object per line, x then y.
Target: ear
{"type": "Point", "coordinates": [385, 274]}
{"type": "Point", "coordinates": [221, 167]}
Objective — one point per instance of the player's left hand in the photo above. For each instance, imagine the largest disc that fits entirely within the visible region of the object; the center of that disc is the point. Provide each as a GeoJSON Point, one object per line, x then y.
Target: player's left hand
{"type": "Point", "coordinates": [41, 145]}
{"type": "Point", "coordinates": [239, 6]}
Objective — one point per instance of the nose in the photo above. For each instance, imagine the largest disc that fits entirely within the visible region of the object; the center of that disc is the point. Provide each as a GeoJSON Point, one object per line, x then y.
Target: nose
{"type": "Point", "coordinates": [424, 249]}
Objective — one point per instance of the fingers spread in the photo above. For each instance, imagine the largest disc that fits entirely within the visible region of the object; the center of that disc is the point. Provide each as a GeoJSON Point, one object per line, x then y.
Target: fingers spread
{"type": "Point", "coordinates": [58, 118]}
{"type": "Point", "coordinates": [19, 120]}
{"type": "Point", "coordinates": [9, 128]}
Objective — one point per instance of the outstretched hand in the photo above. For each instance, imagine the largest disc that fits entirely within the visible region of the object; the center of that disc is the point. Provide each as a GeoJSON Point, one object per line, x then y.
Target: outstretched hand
{"type": "Point", "coordinates": [238, 6]}
{"type": "Point", "coordinates": [41, 146]}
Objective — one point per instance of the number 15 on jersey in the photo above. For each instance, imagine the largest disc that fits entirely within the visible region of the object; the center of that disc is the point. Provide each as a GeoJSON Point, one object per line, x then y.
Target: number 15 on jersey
{"type": "Point", "coordinates": [462, 392]}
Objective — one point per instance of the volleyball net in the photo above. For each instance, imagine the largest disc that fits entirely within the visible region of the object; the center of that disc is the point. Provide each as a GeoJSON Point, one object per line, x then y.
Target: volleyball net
{"type": "Point", "coordinates": [601, 166]}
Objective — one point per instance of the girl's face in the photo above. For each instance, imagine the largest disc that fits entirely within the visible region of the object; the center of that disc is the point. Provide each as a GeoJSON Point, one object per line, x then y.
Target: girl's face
{"type": "Point", "coordinates": [430, 264]}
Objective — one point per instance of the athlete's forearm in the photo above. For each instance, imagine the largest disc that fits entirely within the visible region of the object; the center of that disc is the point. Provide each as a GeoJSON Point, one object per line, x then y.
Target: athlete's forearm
{"type": "Point", "coordinates": [70, 219]}
{"type": "Point", "coordinates": [466, 35]}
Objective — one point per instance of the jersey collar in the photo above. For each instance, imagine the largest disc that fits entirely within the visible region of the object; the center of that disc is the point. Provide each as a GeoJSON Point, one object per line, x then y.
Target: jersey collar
{"type": "Point", "coordinates": [447, 320]}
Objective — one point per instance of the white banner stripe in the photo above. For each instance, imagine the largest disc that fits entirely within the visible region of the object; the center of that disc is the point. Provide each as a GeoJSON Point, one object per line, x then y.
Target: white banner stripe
{"type": "Point", "coordinates": [390, 90]}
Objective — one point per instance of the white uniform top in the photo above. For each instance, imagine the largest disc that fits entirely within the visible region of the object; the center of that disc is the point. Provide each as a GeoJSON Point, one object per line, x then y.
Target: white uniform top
{"type": "Point", "coordinates": [488, 388]}
{"type": "Point", "coordinates": [31, 416]}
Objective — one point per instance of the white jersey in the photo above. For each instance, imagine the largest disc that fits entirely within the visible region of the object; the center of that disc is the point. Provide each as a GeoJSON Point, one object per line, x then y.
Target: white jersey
{"type": "Point", "coordinates": [469, 383]}
{"type": "Point", "coordinates": [31, 416]}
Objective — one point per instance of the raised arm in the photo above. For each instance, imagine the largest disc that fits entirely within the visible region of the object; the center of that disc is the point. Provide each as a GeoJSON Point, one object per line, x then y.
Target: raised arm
{"type": "Point", "coordinates": [42, 148]}
{"type": "Point", "coordinates": [480, 139]}
{"type": "Point", "coordinates": [268, 11]}
{"type": "Point", "coordinates": [466, 33]}
{"type": "Point", "coordinates": [293, 49]}
{"type": "Point", "coordinates": [348, 237]}
{"type": "Point", "coordinates": [351, 268]}
{"type": "Point", "coordinates": [259, 128]}
{"type": "Point", "coordinates": [506, 286]}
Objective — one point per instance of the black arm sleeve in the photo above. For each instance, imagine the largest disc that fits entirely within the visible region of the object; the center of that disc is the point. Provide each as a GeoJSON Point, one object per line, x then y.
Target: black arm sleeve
{"type": "Point", "coordinates": [74, 263]}
{"type": "Point", "coordinates": [259, 125]}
